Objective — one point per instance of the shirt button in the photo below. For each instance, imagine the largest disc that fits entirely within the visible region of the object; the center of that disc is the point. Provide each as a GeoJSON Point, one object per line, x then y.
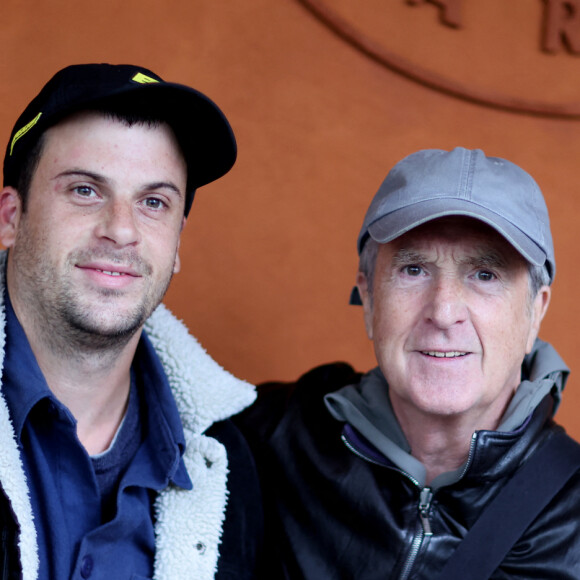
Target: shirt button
{"type": "Point", "coordinates": [87, 566]}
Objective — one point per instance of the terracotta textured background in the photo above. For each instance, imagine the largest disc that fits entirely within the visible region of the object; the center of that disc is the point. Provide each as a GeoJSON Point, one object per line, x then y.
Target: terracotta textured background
{"type": "Point", "coordinates": [269, 251]}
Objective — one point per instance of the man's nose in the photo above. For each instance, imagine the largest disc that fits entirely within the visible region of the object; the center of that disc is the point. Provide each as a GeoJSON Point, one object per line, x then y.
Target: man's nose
{"type": "Point", "coordinates": [446, 305]}
{"type": "Point", "coordinates": [118, 223]}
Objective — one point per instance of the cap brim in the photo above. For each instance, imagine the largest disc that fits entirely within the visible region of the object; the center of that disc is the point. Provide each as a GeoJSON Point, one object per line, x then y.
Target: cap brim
{"type": "Point", "coordinates": [198, 122]}
{"type": "Point", "coordinates": [400, 221]}
{"type": "Point", "coordinates": [203, 132]}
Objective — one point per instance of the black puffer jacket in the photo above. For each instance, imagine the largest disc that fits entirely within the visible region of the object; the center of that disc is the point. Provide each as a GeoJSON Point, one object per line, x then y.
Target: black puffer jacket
{"type": "Point", "coordinates": [339, 510]}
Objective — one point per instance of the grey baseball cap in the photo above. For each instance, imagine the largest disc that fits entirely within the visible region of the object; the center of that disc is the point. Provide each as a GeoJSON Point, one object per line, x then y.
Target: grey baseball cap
{"type": "Point", "coordinates": [434, 183]}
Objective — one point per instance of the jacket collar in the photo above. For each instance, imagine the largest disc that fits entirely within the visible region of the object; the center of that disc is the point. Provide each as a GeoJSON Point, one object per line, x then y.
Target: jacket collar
{"type": "Point", "coordinates": [366, 408]}
{"type": "Point", "coordinates": [204, 392]}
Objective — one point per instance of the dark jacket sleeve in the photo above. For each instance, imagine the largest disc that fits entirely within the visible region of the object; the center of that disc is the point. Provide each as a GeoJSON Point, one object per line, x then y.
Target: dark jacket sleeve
{"type": "Point", "coordinates": [260, 421]}
{"type": "Point", "coordinates": [10, 568]}
{"type": "Point", "coordinates": [243, 532]}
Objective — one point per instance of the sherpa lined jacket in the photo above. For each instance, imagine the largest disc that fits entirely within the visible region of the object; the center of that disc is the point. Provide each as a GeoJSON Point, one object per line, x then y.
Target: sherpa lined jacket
{"type": "Point", "coordinates": [189, 524]}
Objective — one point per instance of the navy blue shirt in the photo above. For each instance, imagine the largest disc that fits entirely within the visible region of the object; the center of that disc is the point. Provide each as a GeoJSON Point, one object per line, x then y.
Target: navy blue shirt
{"type": "Point", "coordinates": [93, 516]}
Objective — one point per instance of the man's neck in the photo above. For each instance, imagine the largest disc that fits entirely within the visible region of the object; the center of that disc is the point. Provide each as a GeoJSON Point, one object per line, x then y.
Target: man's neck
{"type": "Point", "coordinates": [94, 388]}
{"type": "Point", "coordinates": [93, 383]}
{"type": "Point", "coordinates": [441, 444]}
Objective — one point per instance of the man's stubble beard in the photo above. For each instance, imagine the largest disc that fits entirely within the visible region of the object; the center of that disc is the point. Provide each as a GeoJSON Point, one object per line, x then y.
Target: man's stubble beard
{"type": "Point", "coordinates": [61, 314]}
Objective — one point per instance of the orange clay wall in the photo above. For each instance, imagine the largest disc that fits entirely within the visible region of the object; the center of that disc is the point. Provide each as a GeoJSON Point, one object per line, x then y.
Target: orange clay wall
{"type": "Point", "coordinates": [325, 96]}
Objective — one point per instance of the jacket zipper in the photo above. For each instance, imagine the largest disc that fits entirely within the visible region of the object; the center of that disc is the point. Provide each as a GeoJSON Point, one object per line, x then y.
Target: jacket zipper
{"type": "Point", "coordinates": [425, 498]}
{"type": "Point", "coordinates": [470, 455]}
{"type": "Point", "coordinates": [424, 507]}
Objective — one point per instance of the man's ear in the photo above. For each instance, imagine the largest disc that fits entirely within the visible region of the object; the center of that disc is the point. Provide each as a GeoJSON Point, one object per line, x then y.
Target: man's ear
{"type": "Point", "coordinates": [10, 213]}
{"type": "Point", "coordinates": [539, 308]}
{"type": "Point", "coordinates": [362, 284]}
{"type": "Point", "coordinates": [177, 263]}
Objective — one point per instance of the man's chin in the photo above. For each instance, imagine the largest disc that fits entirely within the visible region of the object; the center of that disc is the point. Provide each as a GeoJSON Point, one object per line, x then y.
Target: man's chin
{"type": "Point", "coordinates": [106, 330]}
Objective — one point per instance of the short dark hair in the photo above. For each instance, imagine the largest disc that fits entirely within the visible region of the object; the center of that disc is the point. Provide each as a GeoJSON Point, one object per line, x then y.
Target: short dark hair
{"type": "Point", "coordinates": [27, 170]}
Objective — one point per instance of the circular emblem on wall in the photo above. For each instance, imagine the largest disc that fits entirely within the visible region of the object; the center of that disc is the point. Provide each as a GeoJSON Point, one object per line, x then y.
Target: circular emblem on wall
{"type": "Point", "coordinates": [517, 55]}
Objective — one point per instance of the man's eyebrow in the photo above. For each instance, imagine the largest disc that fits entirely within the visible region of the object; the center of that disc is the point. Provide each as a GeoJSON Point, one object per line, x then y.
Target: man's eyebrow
{"type": "Point", "coordinates": [98, 178]}
{"type": "Point", "coordinates": [488, 259]}
{"type": "Point", "coordinates": [164, 185]}
{"type": "Point", "coordinates": [406, 256]}
{"type": "Point", "coordinates": [82, 173]}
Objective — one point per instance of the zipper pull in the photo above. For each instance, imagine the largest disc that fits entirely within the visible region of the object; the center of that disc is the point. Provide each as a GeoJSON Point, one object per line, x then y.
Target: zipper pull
{"type": "Point", "coordinates": [424, 505]}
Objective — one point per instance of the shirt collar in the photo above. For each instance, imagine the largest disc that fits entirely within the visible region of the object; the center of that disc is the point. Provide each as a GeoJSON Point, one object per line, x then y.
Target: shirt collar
{"type": "Point", "coordinates": [164, 428]}
{"type": "Point", "coordinates": [24, 386]}
{"type": "Point", "coordinates": [23, 383]}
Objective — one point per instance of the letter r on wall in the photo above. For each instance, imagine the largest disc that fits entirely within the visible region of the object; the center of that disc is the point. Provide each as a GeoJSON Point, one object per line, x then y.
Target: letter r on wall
{"type": "Point", "coordinates": [562, 26]}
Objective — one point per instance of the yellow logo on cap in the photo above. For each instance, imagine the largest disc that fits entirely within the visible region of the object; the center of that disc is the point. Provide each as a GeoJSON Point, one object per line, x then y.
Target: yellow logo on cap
{"type": "Point", "coordinates": [23, 131]}
{"type": "Point", "coordinates": [143, 79]}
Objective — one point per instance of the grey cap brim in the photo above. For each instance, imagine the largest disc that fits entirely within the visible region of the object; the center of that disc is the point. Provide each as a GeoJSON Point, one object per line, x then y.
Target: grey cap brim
{"type": "Point", "coordinates": [400, 221]}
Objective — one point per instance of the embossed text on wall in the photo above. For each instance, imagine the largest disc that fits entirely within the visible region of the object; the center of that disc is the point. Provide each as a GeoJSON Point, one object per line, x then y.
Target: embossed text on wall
{"type": "Point", "coordinates": [559, 29]}
{"type": "Point", "coordinates": [517, 55]}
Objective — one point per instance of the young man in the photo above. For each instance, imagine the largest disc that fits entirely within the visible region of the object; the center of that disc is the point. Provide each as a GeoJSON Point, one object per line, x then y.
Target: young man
{"type": "Point", "coordinates": [384, 475]}
{"type": "Point", "coordinates": [116, 456]}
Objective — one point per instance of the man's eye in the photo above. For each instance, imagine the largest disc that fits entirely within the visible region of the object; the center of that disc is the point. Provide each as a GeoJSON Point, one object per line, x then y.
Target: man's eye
{"type": "Point", "coordinates": [413, 270]}
{"type": "Point", "coordinates": [154, 203]}
{"type": "Point", "coordinates": [485, 275]}
{"type": "Point", "coordinates": [84, 190]}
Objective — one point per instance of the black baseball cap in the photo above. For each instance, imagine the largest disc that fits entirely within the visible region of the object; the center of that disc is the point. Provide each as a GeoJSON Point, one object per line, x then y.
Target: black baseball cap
{"type": "Point", "coordinates": [202, 130]}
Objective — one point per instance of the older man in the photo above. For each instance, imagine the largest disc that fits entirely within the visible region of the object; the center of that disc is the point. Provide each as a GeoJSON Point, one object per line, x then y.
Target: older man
{"type": "Point", "coordinates": [384, 475]}
{"type": "Point", "coordinates": [116, 456]}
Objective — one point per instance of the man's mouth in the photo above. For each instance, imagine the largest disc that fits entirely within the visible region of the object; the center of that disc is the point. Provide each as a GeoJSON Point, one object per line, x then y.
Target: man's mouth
{"type": "Point", "coordinates": [109, 273]}
{"type": "Point", "coordinates": [442, 354]}
{"type": "Point", "coordinates": [117, 272]}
